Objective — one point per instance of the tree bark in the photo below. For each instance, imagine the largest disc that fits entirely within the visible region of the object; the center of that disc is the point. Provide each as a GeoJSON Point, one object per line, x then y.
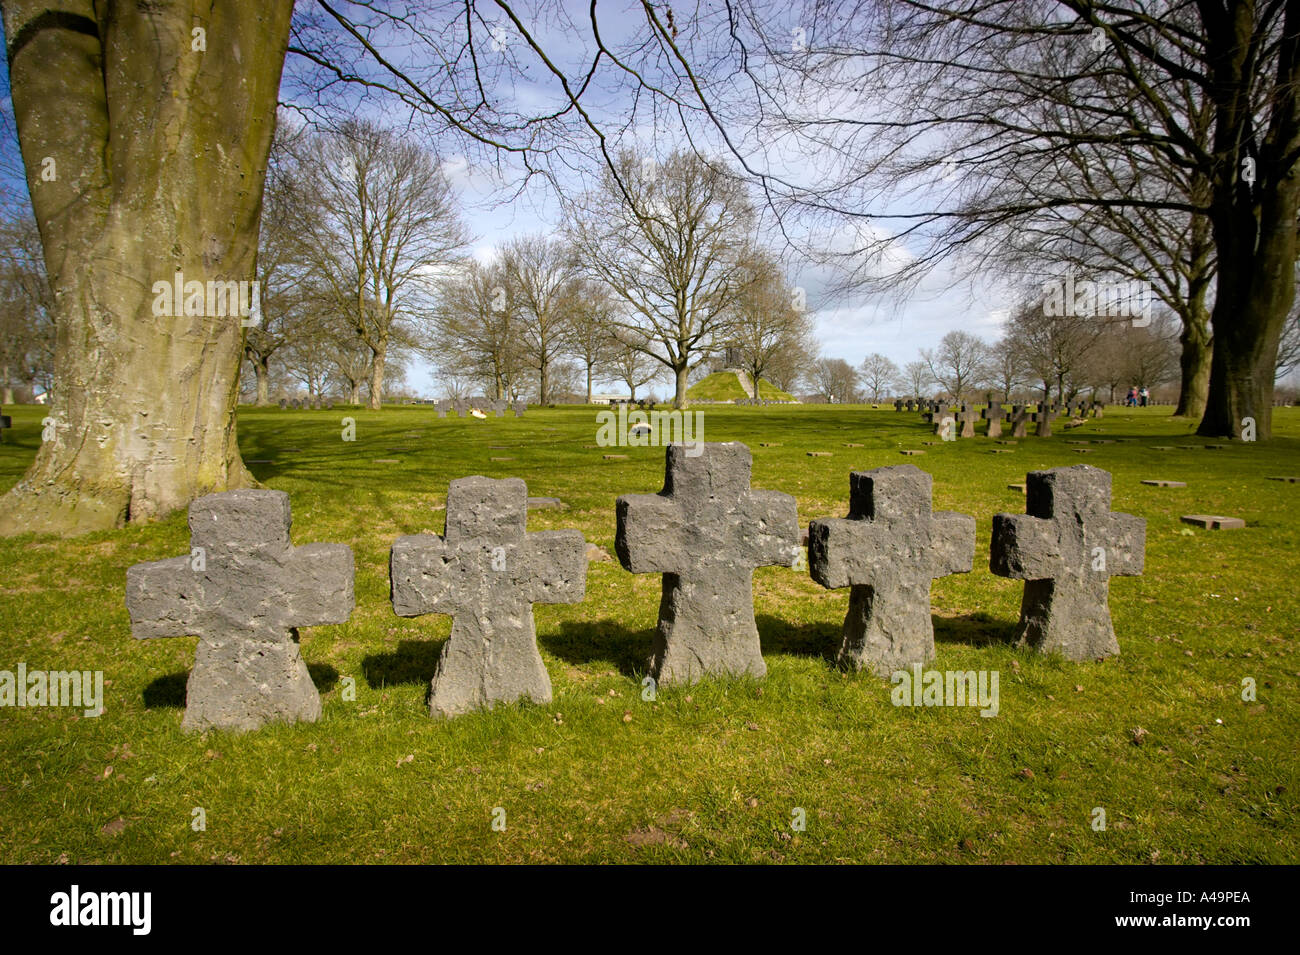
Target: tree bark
{"type": "Point", "coordinates": [377, 375]}
{"type": "Point", "coordinates": [1194, 364]}
{"type": "Point", "coordinates": [679, 398]}
{"type": "Point", "coordinates": [159, 153]}
{"type": "Point", "coordinates": [262, 372]}
{"type": "Point", "coordinates": [1254, 224]}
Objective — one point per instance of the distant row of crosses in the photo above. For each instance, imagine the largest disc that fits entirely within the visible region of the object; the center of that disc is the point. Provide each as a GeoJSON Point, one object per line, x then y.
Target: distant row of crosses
{"type": "Point", "coordinates": [245, 589]}
{"type": "Point", "coordinates": [950, 424]}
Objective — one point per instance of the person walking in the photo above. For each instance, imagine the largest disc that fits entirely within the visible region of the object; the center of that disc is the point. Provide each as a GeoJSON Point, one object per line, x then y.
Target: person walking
{"type": "Point", "coordinates": [1144, 395]}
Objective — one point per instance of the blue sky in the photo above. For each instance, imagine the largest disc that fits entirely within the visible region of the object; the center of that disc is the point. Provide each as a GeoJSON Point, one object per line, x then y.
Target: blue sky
{"type": "Point", "coordinates": [848, 327]}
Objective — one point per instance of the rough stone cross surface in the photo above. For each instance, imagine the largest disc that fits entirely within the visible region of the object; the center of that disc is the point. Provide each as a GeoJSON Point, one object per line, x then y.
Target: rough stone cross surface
{"type": "Point", "coordinates": [1066, 548]}
{"type": "Point", "coordinates": [1044, 417]}
{"type": "Point", "coordinates": [705, 532]}
{"type": "Point", "coordinates": [1018, 417]}
{"type": "Point", "coordinates": [887, 551]}
{"type": "Point", "coordinates": [487, 571]}
{"type": "Point", "coordinates": [993, 415]}
{"type": "Point", "coordinates": [243, 591]}
{"type": "Point", "coordinates": [967, 417]}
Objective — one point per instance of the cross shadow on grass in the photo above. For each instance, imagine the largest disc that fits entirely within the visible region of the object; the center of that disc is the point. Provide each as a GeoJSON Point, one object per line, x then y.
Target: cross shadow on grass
{"type": "Point", "coordinates": [169, 690]}
{"type": "Point", "coordinates": [607, 641]}
{"type": "Point", "coordinates": [412, 663]}
{"type": "Point", "coordinates": [974, 629]}
{"type": "Point", "coordinates": [800, 640]}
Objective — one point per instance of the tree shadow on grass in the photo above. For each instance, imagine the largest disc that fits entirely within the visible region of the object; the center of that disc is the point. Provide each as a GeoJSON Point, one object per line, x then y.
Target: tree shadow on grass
{"type": "Point", "coordinates": [169, 690]}
{"type": "Point", "coordinates": [974, 629]}
{"type": "Point", "coordinates": [608, 641]}
{"type": "Point", "coordinates": [412, 663]}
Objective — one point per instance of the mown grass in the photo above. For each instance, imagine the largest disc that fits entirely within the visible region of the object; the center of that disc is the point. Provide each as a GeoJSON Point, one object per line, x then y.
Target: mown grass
{"type": "Point", "coordinates": [719, 386]}
{"type": "Point", "coordinates": [709, 773]}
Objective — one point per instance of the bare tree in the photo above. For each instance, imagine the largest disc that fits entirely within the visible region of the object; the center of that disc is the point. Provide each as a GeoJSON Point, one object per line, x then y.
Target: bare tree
{"type": "Point", "coordinates": [966, 84]}
{"type": "Point", "coordinates": [835, 380]}
{"type": "Point", "coordinates": [916, 375]}
{"type": "Point", "coordinates": [958, 364]}
{"type": "Point", "coordinates": [769, 321]}
{"type": "Point", "coordinates": [476, 334]}
{"type": "Point", "coordinates": [26, 309]}
{"type": "Point", "coordinates": [385, 221]}
{"type": "Point", "coordinates": [668, 239]}
{"type": "Point", "coordinates": [542, 282]}
{"type": "Point", "coordinates": [590, 312]}
{"type": "Point", "coordinates": [1006, 366]}
{"type": "Point", "coordinates": [630, 362]}
{"type": "Point", "coordinates": [878, 374]}
{"type": "Point", "coordinates": [1055, 347]}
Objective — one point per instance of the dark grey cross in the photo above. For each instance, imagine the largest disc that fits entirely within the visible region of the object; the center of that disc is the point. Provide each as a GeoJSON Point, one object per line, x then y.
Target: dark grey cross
{"type": "Point", "coordinates": [993, 415]}
{"type": "Point", "coordinates": [705, 532]}
{"type": "Point", "coordinates": [487, 571]}
{"type": "Point", "coordinates": [6, 423]}
{"type": "Point", "coordinates": [1066, 548]}
{"type": "Point", "coordinates": [243, 591]}
{"type": "Point", "coordinates": [887, 551]}
{"type": "Point", "coordinates": [1043, 417]}
{"type": "Point", "coordinates": [967, 417]}
{"type": "Point", "coordinates": [1018, 417]}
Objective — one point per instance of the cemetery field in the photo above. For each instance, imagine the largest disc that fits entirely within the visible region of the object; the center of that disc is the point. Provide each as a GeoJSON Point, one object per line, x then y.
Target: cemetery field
{"type": "Point", "coordinates": [1160, 737]}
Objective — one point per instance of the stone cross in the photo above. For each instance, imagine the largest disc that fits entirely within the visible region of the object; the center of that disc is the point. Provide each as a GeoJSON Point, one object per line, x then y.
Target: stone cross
{"type": "Point", "coordinates": [1043, 417]}
{"type": "Point", "coordinates": [284, 403]}
{"type": "Point", "coordinates": [243, 591]}
{"type": "Point", "coordinates": [887, 551]}
{"type": "Point", "coordinates": [462, 407]}
{"type": "Point", "coordinates": [1066, 548]}
{"type": "Point", "coordinates": [487, 572]}
{"type": "Point", "coordinates": [6, 423]}
{"type": "Point", "coordinates": [441, 407]}
{"type": "Point", "coordinates": [967, 417]}
{"type": "Point", "coordinates": [898, 404]}
{"type": "Point", "coordinates": [1018, 417]}
{"type": "Point", "coordinates": [519, 408]}
{"type": "Point", "coordinates": [705, 532]}
{"type": "Point", "coordinates": [993, 415]}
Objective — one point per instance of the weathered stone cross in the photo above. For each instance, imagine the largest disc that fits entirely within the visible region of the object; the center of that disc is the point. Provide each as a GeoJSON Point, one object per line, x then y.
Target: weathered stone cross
{"type": "Point", "coordinates": [1044, 417]}
{"type": "Point", "coordinates": [1066, 548]}
{"type": "Point", "coordinates": [993, 415]}
{"type": "Point", "coordinates": [1018, 418]}
{"type": "Point", "coordinates": [967, 416]}
{"type": "Point", "coordinates": [243, 591]}
{"type": "Point", "coordinates": [705, 532]}
{"type": "Point", "coordinates": [487, 571]}
{"type": "Point", "coordinates": [887, 551]}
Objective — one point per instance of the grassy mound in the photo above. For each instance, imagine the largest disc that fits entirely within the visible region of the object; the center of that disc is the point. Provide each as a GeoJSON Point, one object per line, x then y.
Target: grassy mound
{"type": "Point", "coordinates": [725, 386]}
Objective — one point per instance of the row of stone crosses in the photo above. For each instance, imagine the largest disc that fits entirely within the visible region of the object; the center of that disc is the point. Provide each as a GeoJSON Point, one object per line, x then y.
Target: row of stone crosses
{"type": "Point", "coordinates": [464, 406]}
{"type": "Point", "coordinates": [244, 589]}
{"type": "Point", "coordinates": [961, 422]}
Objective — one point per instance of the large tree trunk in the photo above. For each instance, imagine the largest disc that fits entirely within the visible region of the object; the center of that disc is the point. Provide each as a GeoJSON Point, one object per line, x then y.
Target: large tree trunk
{"type": "Point", "coordinates": [1254, 224]}
{"type": "Point", "coordinates": [544, 384]}
{"type": "Point", "coordinates": [160, 153]}
{"type": "Point", "coordinates": [1194, 363]}
{"type": "Point", "coordinates": [679, 397]}
{"type": "Point", "coordinates": [377, 375]}
{"type": "Point", "coordinates": [262, 372]}
{"type": "Point", "coordinates": [588, 384]}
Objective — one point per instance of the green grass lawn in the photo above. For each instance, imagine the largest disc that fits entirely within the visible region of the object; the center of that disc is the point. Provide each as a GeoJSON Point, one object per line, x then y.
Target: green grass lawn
{"type": "Point", "coordinates": [1159, 737]}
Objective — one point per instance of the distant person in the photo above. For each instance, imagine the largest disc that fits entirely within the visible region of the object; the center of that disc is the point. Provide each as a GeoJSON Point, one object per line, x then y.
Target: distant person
{"type": "Point", "coordinates": [1144, 395]}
